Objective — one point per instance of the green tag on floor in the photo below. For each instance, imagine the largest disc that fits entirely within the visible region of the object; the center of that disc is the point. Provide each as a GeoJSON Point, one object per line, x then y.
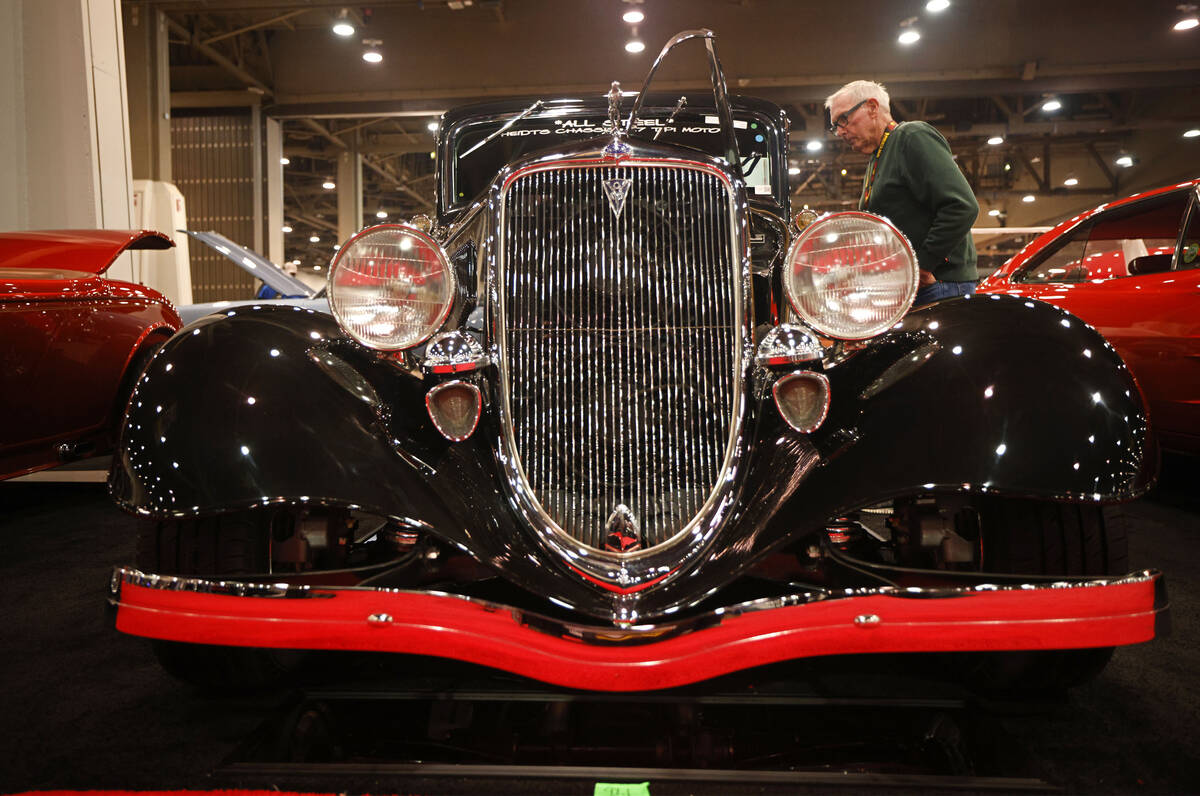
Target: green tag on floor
{"type": "Point", "coordinates": [622, 789]}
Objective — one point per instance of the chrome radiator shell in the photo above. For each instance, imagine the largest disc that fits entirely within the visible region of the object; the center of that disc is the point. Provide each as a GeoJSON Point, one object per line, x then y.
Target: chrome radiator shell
{"type": "Point", "coordinates": [622, 338]}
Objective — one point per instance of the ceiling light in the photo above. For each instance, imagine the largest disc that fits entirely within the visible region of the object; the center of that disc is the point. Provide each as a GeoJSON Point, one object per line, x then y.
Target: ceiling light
{"type": "Point", "coordinates": [909, 36]}
{"type": "Point", "coordinates": [1051, 105]}
{"type": "Point", "coordinates": [1124, 161]}
{"type": "Point", "coordinates": [1070, 181]}
{"type": "Point", "coordinates": [380, 214]}
{"type": "Point", "coordinates": [1027, 198]}
{"type": "Point", "coordinates": [814, 146]}
{"type": "Point", "coordinates": [994, 212]}
{"type": "Point", "coordinates": [343, 26]}
{"type": "Point", "coordinates": [314, 239]}
{"type": "Point", "coordinates": [316, 268]}
{"type": "Point", "coordinates": [633, 17]}
{"type": "Point", "coordinates": [937, 6]}
{"type": "Point", "coordinates": [1193, 133]}
{"type": "Point", "coordinates": [284, 161]}
{"type": "Point", "coordinates": [295, 262]}
{"type": "Point", "coordinates": [372, 55]}
{"type": "Point", "coordinates": [634, 46]}
{"type": "Point", "coordinates": [329, 184]}
{"type": "Point", "coordinates": [996, 140]}
{"type": "Point", "coordinates": [1189, 20]}
{"type": "Point", "coordinates": [286, 228]}
{"type": "Point", "coordinates": [432, 126]}
{"type": "Point", "coordinates": [794, 170]}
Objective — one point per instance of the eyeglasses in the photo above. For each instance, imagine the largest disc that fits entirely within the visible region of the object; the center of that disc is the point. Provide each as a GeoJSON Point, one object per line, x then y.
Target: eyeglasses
{"type": "Point", "coordinates": [844, 119]}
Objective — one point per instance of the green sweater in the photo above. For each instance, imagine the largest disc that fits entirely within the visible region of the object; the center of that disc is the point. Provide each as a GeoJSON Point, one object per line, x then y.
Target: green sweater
{"type": "Point", "coordinates": [919, 188]}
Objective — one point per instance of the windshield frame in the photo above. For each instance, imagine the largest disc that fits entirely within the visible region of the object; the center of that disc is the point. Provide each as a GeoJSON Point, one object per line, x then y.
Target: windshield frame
{"type": "Point", "coordinates": [462, 121]}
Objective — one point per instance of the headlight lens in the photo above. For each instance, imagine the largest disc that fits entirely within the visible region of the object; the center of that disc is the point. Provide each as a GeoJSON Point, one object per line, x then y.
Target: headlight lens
{"type": "Point", "coordinates": [391, 287]}
{"type": "Point", "coordinates": [850, 275]}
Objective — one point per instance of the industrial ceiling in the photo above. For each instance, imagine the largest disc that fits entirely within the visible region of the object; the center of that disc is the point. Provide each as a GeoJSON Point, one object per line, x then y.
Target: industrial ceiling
{"type": "Point", "coordinates": [1127, 81]}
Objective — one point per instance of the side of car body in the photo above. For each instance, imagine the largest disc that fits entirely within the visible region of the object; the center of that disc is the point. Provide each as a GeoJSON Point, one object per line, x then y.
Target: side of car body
{"type": "Point", "coordinates": [1131, 269]}
{"type": "Point", "coordinates": [71, 342]}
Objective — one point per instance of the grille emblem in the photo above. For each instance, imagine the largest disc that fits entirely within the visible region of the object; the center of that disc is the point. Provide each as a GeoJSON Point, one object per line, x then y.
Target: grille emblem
{"type": "Point", "coordinates": [616, 190]}
{"type": "Point", "coordinates": [623, 532]}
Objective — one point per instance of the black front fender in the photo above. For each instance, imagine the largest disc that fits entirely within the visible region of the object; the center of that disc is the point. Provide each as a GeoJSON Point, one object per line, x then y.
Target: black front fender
{"type": "Point", "coordinates": [268, 405]}
{"type": "Point", "coordinates": [985, 394]}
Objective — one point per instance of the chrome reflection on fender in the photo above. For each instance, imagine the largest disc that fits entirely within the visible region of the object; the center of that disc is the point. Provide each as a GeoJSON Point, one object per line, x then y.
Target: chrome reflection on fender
{"type": "Point", "coordinates": [455, 407]}
{"type": "Point", "coordinates": [787, 344]}
{"type": "Point", "coordinates": [802, 399]}
{"type": "Point", "coordinates": [454, 352]}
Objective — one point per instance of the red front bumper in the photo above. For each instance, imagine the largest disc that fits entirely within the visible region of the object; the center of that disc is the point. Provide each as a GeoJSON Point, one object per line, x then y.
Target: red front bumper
{"type": "Point", "coordinates": [1069, 614]}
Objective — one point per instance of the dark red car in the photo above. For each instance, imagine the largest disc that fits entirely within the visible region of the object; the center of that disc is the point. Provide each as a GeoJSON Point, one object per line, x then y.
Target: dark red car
{"type": "Point", "coordinates": [1131, 269]}
{"type": "Point", "coordinates": [71, 342]}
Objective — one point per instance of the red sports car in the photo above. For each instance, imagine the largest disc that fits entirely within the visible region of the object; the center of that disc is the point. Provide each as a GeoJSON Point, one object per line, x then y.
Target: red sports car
{"type": "Point", "coordinates": [1132, 270]}
{"type": "Point", "coordinates": [71, 342]}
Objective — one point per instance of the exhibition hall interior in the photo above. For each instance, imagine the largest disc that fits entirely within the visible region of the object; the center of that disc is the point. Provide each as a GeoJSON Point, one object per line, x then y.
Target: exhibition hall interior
{"type": "Point", "coordinates": [600, 396]}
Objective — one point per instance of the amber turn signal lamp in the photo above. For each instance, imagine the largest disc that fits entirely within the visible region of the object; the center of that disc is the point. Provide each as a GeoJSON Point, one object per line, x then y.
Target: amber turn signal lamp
{"type": "Point", "coordinates": [455, 407]}
{"type": "Point", "coordinates": [802, 399]}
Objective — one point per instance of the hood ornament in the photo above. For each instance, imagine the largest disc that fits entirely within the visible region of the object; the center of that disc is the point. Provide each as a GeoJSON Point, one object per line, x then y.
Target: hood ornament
{"type": "Point", "coordinates": [617, 148]}
{"type": "Point", "coordinates": [624, 535]}
{"type": "Point", "coordinates": [616, 189]}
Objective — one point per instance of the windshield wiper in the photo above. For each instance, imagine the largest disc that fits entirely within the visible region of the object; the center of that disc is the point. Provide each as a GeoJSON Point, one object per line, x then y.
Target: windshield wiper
{"type": "Point", "coordinates": [504, 128]}
{"type": "Point", "coordinates": [671, 119]}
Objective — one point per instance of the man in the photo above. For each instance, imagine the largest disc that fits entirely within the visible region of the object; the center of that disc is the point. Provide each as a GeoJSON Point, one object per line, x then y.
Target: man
{"type": "Point", "coordinates": [913, 181]}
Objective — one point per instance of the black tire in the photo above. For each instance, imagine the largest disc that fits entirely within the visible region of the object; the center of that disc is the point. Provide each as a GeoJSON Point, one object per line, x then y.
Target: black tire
{"type": "Point", "coordinates": [1042, 538]}
{"type": "Point", "coordinates": [233, 544]}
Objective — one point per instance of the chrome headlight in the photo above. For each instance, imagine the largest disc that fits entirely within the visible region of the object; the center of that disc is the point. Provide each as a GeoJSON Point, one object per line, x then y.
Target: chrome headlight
{"type": "Point", "coordinates": [391, 287]}
{"type": "Point", "coordinates": [850, 275]}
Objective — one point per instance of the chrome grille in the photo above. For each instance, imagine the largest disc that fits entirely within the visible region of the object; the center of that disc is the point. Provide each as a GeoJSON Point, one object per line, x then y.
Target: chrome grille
{"type": "Point", "coordinates": [620, 336]}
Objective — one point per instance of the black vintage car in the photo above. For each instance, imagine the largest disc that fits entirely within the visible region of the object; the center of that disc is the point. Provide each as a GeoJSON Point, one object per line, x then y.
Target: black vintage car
{"type": "Point", "coordinates": [612, 421]}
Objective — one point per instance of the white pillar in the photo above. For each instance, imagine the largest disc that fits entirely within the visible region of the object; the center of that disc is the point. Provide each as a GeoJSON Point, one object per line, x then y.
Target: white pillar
{"type": "Point", "coordinates": [349, 194]}
{"type": "Point", "coordinates": [274, 133]}
{"type": "Point", "coordinates": [64, 154]}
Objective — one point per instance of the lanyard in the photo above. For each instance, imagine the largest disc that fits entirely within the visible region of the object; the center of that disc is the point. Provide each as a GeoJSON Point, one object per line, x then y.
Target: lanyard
{"type": "Point", "coordinates": [875, 163]}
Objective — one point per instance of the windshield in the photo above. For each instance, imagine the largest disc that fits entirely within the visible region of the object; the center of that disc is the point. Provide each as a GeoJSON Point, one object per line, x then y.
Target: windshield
{"type": "Point", "coordinates": [697, 129]}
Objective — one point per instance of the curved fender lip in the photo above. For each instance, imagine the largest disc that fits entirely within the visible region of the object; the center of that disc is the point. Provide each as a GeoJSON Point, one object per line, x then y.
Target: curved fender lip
{"type": "Point", "coordinates": [1071, 613]}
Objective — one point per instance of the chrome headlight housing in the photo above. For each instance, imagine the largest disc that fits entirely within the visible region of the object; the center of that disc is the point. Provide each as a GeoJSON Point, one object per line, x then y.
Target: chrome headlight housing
{"type": "Point", "coordinates": [391, 287]}
{"type": "Point", "coordinates": [850, 275]}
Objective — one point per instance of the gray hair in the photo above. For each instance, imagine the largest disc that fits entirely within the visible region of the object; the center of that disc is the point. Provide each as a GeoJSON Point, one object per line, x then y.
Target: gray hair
{"type": "Point", "coordinates": [858, 90]}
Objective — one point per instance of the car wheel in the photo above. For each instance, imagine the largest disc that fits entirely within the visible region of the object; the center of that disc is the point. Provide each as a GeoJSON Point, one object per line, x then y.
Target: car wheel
{"type": "Point", "coordinates": [1042, 538]}
{"type": "Point", "coordinates": [230, 545]}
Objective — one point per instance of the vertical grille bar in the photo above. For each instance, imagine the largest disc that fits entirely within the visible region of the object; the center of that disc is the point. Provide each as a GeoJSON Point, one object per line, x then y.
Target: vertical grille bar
{"type": "Point", "coordinates": [621, 338]}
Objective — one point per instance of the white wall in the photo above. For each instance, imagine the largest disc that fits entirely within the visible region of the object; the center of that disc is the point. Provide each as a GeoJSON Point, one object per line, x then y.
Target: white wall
{"type": "Point", "coordinates": [64, 151]}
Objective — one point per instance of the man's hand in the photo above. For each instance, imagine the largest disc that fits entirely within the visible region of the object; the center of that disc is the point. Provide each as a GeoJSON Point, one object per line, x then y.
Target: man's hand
{"type": "Point", "coordinates": [926, 278]}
